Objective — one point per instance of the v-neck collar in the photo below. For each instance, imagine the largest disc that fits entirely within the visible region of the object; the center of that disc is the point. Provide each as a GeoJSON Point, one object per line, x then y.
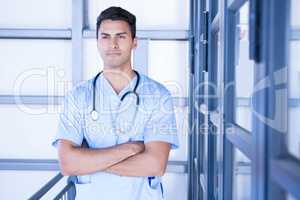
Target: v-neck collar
{"type": "Point", "coordinates": [105, 87]}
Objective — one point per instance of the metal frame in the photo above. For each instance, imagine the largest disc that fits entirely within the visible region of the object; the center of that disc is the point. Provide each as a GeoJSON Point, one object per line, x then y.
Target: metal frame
{"type": "Point", "coordinates": [150, 34]}
{"type": "Point", "coordinates": [56, 100]}
{"type": "Point", "coordinates": [77, 43]}
{"type": "Point", "coordinates": [140, 56]}
{"type": "Point", "coordinates": [39, 194]}
{"type": "Point", "coordinates": [52, 165]}
{"type": "Point", "coordinates": [285, 172]}
{"type": "Point", "coordinates": [229, 109]}
{"type": "Point", "coordinates": [77, 34]}
{"type": "Point", "coordinates": [230, 17]}
{"type": "Point", "coordinates": [240, 138]}
{"type": "Point", "coordinates": [295, 34]}
{"type": "Point", "coordinates": [64, 34]}
{"type": "Point", "coordinates": [235, 4]}
{"type": "Point", "coordinates": [191, 135]}
{"type": "Point", "coordinates": [215, 24]}
{"type": "Point", "coordinates": [30, 99]}
{"type": "Point", "coordinates": [234, 135]}
{"type": "Point", "coordinates": [213, 76]}
{"type": "Point", "coordinates": [284, 168]}
{"type": "Point", "coordinates": [178, 101]}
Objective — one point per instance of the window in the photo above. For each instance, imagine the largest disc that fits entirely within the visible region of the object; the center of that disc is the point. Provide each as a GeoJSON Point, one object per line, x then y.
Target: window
{"type": "Point", "coordinates": [35, 67]}
{"type": "Point", "coordinates": [36, 14]}
{"type": "Point", "coordinates": [294, 83]}
{"type": "Point", "coordinates": [241, 176]}
{"type": "Point", "coordinates": [168, 64]}
{"type": "Point", "coordinates": [32, 137]}
{"type": "Point", "coordinates": [177, 17]}
{"type": "Point", "coordinates": [243, 70]}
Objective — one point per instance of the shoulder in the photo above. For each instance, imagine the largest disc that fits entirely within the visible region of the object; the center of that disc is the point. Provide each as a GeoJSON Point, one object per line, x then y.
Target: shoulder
{"type": "Point", "coordinates": [155, 96]}
{"type": "Point", "coordinates": [80, 93]}
{"type": "Point", "coordinates": [152, 86]}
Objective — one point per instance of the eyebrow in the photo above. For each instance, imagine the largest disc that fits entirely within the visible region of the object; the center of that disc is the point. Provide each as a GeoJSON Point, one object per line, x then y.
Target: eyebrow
{"type": "Point", "coordinates": [122, 33]}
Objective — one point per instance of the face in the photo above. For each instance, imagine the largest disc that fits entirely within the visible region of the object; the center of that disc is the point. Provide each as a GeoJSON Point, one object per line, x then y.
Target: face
{"type": "Point", "coordinates": [115, 43]}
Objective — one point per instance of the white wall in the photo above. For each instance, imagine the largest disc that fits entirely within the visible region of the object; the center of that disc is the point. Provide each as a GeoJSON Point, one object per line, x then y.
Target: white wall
{"type": "Point", "coordinates": [44, 67]}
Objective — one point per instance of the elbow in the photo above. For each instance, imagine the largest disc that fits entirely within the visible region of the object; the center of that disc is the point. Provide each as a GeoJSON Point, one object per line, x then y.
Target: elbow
{"type": "Point", "coordinates": [67, 169]}
{"type": "Point", "coordinates": [67, 162]}
{"type": "Point", "coordinates": [160, 169]}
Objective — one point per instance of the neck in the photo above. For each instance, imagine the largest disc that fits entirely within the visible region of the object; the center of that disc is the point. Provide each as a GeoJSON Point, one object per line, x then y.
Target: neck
{"type": "Point", "coordinates": [118, 78]}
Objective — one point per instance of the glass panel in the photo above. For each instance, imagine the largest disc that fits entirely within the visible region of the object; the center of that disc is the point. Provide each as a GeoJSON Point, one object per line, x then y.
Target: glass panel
{"type": "Point", "coordinates": [177, 17]}
{"type": "Point", "coordinates": [23, 184]}
{"type": "Point", "coordinates": [92, 61]}
{"type": "Point", "coordinates": [294, 91]}
{"type": "Point", "coordinates": [213, 85]}
{"type": "Point", "coordinates": [31, 138]}
{"type": "Point", "coordinates": [243, 70]}
{"type": "Point", "coordinates": [295, 14]}
{"type": "Point", "coordinates": [93, 64]}
{"type": "Point", "coordinates": [175, 186]}
{"type": "Point", "coordinates": [36, 14]}
{"type": "Point", "coordinates": [290, 197]}
{"type": "Point", "coordinates": [180, 154]}
{"type": "Point", "coordinates": [172, 71]}
{"type": "Point", "coordinates": [35, 67]}
{"type": "Point", "coordinates": [244, 114]}
{"type": "Point", "coordinates": [168, 64]}
{"type": "Point", "coordinates": [241, 176]}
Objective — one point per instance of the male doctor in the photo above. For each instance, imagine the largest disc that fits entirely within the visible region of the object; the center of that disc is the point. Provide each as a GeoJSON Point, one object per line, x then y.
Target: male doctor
{"type": "Point", "coordinates": [129, 137]}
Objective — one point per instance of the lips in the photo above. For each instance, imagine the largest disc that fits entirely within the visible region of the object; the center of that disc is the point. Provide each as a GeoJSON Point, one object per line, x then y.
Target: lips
{"type": "Point", "coordinates": [113, 53]}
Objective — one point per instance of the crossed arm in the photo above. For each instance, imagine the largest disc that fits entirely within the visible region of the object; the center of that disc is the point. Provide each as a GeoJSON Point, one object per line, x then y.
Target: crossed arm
{"type": "Point", "coordinates": [128, 159]}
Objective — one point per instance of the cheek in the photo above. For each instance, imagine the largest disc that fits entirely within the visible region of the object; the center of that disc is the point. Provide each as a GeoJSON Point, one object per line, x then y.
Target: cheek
{"type": "Point", "coordinates": [102, 44]}
{"type": "Point", "coordinates": [127, 47]}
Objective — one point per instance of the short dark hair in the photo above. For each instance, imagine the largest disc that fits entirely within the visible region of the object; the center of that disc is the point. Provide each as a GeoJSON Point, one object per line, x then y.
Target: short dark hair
{"type": "Point", "coordinates": [117, 13]}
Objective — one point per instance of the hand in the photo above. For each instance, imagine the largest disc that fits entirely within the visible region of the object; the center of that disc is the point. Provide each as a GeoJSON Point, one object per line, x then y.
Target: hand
{"type": "Point", "coordinates": [137, 146]}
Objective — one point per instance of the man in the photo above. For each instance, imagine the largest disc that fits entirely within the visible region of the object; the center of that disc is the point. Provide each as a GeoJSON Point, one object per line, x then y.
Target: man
{"type": "Point", "coordinates": [129, 138]}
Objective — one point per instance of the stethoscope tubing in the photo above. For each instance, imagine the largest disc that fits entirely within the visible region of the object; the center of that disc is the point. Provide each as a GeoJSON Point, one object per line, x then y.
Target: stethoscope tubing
{"type": "Point", "coordinates": [94, 113]}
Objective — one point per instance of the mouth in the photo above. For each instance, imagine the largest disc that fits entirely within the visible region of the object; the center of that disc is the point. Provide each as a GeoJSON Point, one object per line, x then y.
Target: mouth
{"type": "Point", "coordinates": [113, 53]}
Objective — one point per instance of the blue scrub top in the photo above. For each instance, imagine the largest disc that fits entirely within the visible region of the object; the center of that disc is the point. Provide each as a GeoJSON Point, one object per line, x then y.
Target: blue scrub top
{"type": "Point", "coordinates": [154, 121]}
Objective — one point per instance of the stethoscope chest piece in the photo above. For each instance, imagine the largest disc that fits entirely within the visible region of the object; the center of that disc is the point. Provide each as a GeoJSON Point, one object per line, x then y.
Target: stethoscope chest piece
{"type": "Point", "coordinates": [94, 115]}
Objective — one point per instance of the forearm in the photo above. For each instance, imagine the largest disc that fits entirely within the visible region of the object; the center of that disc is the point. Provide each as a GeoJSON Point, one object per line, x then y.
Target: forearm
{"type": "Point", "coordinates": [80, 161]}
{"type": "Point", "coordinates": [142, 164]}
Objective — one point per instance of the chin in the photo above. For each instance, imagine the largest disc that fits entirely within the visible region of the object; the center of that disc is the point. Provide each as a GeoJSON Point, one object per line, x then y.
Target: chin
{"type": "Point", "coordinates": [112, 66]}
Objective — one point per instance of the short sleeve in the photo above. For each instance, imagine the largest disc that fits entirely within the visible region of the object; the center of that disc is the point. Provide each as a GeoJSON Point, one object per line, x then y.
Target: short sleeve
{"type": "Point", "coordinates": [162, 123]}
{"type": "Point", "coordinates": [69, 127]}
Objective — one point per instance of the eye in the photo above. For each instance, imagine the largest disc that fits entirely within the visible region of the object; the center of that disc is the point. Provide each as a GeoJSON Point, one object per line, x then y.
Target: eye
{"type": "Point", "coordinates": [104, 37]}
{"type": "Point", "coordinates": [122, 36]}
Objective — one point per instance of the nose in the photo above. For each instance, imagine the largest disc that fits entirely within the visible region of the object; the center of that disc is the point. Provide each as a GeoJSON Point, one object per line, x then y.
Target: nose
{"type": "Point", "coordinates": [114, 43]}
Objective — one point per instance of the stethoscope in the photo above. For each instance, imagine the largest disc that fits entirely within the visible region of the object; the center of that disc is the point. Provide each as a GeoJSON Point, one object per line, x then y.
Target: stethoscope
{"type": "Point", "coordinates": [94, 113]}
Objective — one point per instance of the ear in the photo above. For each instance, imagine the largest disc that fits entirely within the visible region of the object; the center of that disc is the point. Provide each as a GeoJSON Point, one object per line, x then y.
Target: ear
{"type": "Point", "coordinates": [135, 43]}
{"type": "Point", "coordinates": [98, 44]}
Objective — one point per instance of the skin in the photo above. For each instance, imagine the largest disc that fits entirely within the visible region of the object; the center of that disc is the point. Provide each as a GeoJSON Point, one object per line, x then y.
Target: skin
{"type": "Point", "coordinates": [115, 45]}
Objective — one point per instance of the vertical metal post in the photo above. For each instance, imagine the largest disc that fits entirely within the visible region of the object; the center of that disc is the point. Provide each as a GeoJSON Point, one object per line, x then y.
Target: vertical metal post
{"type": "Point", "coordinates": [229, 109]}
{"type": "Point", "coordinates": [221, 85]}
{"type": "Point", "coordinates": [275, 40]}
{"type": "Point", "coordinates": [71, 194]}
{"type": "Point", "coordinates": [77, 43]}
{"type": "Point", "coordinates": [212, 103]}
{"type": "Point", "coordinates": [191, 186]}
{"type": "Point", "coordinates": [140, 57]}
